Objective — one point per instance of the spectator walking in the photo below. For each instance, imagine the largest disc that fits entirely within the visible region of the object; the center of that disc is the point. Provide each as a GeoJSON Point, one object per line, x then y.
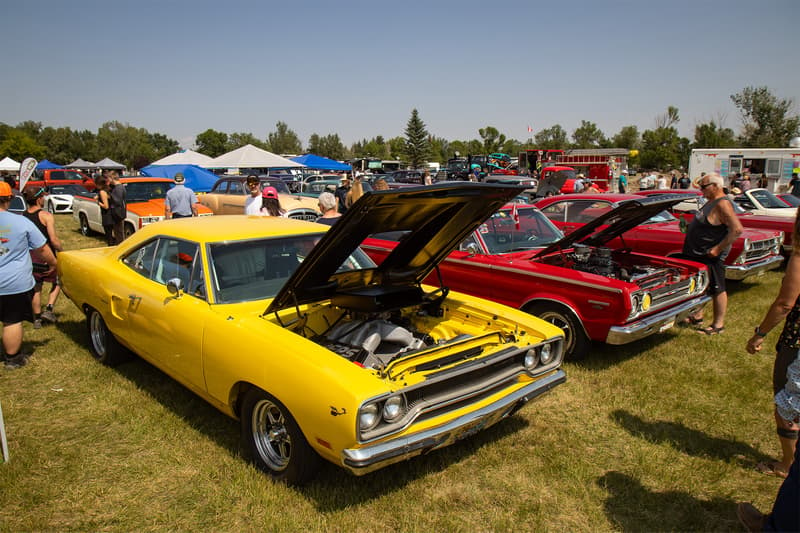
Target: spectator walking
{"type": "Point", "coordinates": [180, 201]}
{"type": "Point", "coordinates": [785, 514]}
{"type": "Point", "coordinates": [794, 185]}
{"type": "Point", "coordinates": [252, 204]}
{"type": "Point", "coordinates": [327, 205]}
{"type": "Point", "coordinates": [118, 206]}
{"type": "Point", "coordinates": [341, 193]}
{"type": "Point", "coordinates": [18, 236]}
{"type": "Point", "coordinates": [661, 182]}
{"type": "Point", "coordinates": [46, 224]}
{"type": "Point", "coordinates": [708, 240]}
{"type": "Point", "coordinates": [684, 182]}
{"type": "Point", "coordinates": [745, 184]}
{"type": "Point", "coordinates": [104, 201]}
{"type": "Point", "coordinates": [622, 184]}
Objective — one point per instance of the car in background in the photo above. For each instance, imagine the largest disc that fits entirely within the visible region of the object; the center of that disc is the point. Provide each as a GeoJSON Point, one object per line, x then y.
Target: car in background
{"type": "Point", "coordinates": [59, 197]}
{"type": "Point", "coordinates": [407, 176]}
{"type": "Point", "coordinates": [694, 201]}
{"type": "Point", "coordinates": [288, 327]}
{"type": "Point", "coordinates": [17, 204]}
{"type": "Point", "coordinates": [59, 176]}
{"type": "Point", "coordinates": [763, 202]}
{"type": "Point", "coordinates": [229, 193]}
{"type": "Point", "coordinates": [517, 257]}
{"type": "Point", "coordinates": [530, 184]}
{"type": "Point", "coordinates": [753, 253]}
{"type": "Point", "coordinates": [313, 189]}
{"type": "Point", "coordinates": [789, 199]}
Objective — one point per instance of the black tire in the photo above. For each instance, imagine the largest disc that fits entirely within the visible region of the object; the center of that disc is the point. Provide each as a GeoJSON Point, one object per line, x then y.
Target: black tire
{"type": "Point", "coordinates": [128, 230]}
{"type": "Point", "coordinates": [83, 225]}
{"type": "Point", "coordinates": [104, 346]}
{"type": "Point", "coordinates": [50, 208]}
{"type": "Point", "coordinates": [576, 343]}
{"type": "Point", "coordinates": [273, 440]}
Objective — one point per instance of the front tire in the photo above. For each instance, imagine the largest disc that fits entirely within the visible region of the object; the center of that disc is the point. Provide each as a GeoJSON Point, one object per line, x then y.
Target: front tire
{"type": "Point", "coordinates": [104, 346]}
{"type": "Point", "coordinates": [576, 343]}
{"type": "Point", "coordinates": [129, 230]}
{"type": "Point", "coordinates": [83, 223]}
{"type": "Point", "coordinates": [51, 208]}
{"type": "Point", "coordinates": [273, 440]}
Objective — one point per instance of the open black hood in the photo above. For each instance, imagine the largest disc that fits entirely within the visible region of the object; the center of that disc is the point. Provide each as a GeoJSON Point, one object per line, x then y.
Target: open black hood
{"type": "Point", "coordinates": [627, 215]}
{"type": "Point", "coordinates": [434, 218]}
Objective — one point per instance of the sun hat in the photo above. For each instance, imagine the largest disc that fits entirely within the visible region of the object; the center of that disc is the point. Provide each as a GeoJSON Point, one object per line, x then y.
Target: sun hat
{"type": "Point", "coordinates": [179, 177]}
{"type": "Point", "coordinates": [269, 192]}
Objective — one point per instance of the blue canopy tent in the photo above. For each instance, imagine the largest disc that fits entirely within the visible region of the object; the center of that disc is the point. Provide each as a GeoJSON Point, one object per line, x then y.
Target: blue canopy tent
{"type": "Point", "coordinates": [197, 178]}
{"type": "Point", "coordinates": [317, 162]}
{"type": "Point", "coordinates": [44, 164]}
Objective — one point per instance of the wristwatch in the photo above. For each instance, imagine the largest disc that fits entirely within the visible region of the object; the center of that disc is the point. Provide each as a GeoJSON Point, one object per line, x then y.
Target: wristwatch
{"type": "Point", "coordinates": [760, 333]}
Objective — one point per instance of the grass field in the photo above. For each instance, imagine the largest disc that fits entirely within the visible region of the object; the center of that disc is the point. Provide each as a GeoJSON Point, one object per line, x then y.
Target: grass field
{"type": "Point", "coordinates": [660, 435]}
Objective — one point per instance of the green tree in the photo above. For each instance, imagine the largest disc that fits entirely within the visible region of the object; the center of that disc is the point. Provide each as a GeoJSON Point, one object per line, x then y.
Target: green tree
{"type": "Point", "coordinates": [397, 147]}
{"type": "Point", "coordinates": [237, 140]}
{"type": "Point", "coordinates": [163, 145]}
{"type": "Point", "coordinates": [19, 145]}
{"type": "Point", "coordinates": [212, 143]}
{"type": "Point", "coordinates": [284, 141]}
{"type": "Point", "coordinates": [31, 128]}
{"type": "Point", "coordinates": [766, 122]}
{"type": "Point", "coordinates": [329, 146]}
{"type": "Point", "coordinates": [552, 138]}
{"type": "Point", "coordinates": [588, 135]}
{"type": "Point", "coordinates": [664, 149]}
{"type": "Point", "coordinates": [492, 139]}
{"type": "Point", "coordinates": [375, 147]}
{"type": "Point", "coordinates": [713, 135]}
{"type": "Point", "coordinates": [628, 137]}
{"type": "Point", "coordinates": [125, 144]}
{"type": "Point", "coordinates": [417, 146]}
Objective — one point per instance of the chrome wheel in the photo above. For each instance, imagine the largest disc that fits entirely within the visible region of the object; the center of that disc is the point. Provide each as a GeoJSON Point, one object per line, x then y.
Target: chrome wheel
{"type": "Point", "coordinates": [270, 435]}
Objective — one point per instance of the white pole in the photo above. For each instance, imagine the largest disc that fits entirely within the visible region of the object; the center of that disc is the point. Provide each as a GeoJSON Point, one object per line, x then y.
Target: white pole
{"type": "Point", "coordinates": [3, 440]}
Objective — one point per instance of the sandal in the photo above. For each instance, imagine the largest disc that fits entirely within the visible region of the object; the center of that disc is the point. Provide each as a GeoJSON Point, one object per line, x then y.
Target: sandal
{"type": "Point", "coordinates": [711, 330]}
{"type": "Point", "coordinates": [771, 468]}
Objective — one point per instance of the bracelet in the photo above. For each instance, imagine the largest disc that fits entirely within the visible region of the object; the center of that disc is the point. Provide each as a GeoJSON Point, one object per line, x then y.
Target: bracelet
{"type": "Point", "coordinates": [759, 333]}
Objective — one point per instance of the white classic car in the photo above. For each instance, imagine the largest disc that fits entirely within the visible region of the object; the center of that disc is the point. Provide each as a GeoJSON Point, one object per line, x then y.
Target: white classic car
{"type": "Point", "coordinates": [763, 202]}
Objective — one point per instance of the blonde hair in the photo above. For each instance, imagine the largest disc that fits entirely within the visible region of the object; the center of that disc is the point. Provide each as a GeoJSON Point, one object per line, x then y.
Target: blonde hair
{"type": "Point", "coordinates": [356, 191]}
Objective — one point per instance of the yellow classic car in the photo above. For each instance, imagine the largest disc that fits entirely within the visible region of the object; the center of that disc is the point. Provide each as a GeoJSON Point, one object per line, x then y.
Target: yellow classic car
{"type": "Point", "coordinates": [227, 197]}
{"type": "Point", "coordinates": [318, 352]}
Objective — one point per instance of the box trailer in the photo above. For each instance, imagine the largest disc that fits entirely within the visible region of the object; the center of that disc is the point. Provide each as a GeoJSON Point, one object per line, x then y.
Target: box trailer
{"type": "Point", "coordinates": [777, 164]}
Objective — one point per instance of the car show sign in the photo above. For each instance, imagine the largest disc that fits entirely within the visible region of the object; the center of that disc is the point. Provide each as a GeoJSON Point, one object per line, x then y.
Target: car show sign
{"type": "Point", "coordinates": [26, 169]}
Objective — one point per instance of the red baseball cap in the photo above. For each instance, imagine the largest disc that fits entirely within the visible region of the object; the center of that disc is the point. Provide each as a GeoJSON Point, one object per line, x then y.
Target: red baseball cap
{"type": "Point", "coordinates": [269, 192]}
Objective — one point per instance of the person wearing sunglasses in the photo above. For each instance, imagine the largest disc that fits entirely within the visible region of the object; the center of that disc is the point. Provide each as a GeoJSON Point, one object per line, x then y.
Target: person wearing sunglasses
{"type": "Point", "coordinates": [708, 239]}
{"type": "Point", "coordinates": [46, 223]}
{"type": "Point", "coordinates": [252, 204]}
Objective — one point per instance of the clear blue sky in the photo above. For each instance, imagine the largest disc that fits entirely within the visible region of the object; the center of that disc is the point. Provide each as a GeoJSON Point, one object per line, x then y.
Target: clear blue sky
{"type": "Point", "coordinates": [358, 68]}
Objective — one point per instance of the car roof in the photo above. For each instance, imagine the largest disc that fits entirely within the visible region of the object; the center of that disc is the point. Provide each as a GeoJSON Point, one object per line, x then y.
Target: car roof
{"type": "Point", "coordinates": [144, 179]}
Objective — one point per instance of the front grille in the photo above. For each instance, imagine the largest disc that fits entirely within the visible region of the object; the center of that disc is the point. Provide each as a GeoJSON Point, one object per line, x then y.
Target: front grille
{"type": "Point", "coordinates": [669, 294]}
{"type": "Point", "coordinates": [761, 249]}
{"type": "Point", "coordinates": [303, 214]}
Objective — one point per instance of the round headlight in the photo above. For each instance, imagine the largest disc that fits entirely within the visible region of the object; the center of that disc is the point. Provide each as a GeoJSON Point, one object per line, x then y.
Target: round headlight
{"type": "Point", "coordinates": [393, 408]}
{"type": "Point", "coordinates": [531, 359]}
{"type": "Point", "coordinates": [692, 285]}
{"type": "Point", "coordinates": [546, 353]}
{"type": "Point", "coordinates": [635, 302]}
{"type": "Point", "coordinates": [368, 417]}
{"type": "Point", "coordinates": [646, 301]}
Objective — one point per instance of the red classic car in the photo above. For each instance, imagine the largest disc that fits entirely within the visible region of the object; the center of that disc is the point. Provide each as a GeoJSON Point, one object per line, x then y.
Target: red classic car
{"type": "Point", "coordinates": [519, 258]}
{"type": "Point", "coordinates": [754, 252]}
{"type": "Point", "coordinates": [695, 199]}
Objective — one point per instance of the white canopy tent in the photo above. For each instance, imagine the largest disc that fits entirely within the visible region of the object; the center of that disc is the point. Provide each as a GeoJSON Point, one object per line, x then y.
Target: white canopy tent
{"type": "Point", "coordinates": [81, 164]}
{"type": "Point", "coordinates": [110, 164]}
{"type": "Point", "coordinates": [249, 156]}
{"type": "Point", "coordinates": [8, 164]}
{"type": "Point", "coordinates": [186, 157]}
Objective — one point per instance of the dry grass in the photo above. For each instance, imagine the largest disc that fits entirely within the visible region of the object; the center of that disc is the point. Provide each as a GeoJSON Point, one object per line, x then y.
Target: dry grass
{"type": "Point", "coordinates": [659, 435]}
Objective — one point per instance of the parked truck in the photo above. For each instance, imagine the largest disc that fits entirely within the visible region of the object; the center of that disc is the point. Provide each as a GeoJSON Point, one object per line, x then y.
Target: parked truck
{"type": "Point", "coordinates": [59, 176]}
{"type": "Point", "coordinates": [777, 164]}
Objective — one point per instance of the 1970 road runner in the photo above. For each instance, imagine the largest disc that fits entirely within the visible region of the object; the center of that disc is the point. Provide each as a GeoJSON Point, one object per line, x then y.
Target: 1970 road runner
{"type": "Point", "coordinates": [318, 352]}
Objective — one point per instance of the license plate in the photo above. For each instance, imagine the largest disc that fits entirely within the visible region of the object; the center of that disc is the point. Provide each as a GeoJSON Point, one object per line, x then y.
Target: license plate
{"type": "Point", "coordinates": [666, 326]}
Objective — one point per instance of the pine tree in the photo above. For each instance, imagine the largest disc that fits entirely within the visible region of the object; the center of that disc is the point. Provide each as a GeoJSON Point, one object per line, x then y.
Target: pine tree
{"type": "Point", "coordinates": [417, 145]}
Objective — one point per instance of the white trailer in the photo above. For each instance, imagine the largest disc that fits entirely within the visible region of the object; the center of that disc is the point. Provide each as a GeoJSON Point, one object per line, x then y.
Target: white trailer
{"type": "Point", "coordinates": [777, 163]}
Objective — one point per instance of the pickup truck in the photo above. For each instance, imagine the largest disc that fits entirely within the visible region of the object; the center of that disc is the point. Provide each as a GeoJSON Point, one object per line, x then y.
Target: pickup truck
{"type": "Point", "coordinates": [59, 176]}
{"type": "Point", "coordinates": [145, 197]}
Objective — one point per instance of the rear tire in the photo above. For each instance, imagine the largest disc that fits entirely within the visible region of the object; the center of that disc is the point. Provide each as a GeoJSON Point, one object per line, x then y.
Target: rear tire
{"type": "Point", "coordinates": [576, 343]}
{"type": "Point", "coordinates": [104, 346]}
{"type": "Point", "coordinates": [273, 440]}
{"type": "Point", "coordinates": [83, 225]}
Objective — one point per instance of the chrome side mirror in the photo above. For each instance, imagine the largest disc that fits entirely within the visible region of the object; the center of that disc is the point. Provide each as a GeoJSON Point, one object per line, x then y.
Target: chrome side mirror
{"type": "Point", "coordinates": [175, 286]}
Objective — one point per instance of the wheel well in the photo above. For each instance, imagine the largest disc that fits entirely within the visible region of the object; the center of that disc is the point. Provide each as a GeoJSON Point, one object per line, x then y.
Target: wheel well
{"type": "Point", "coordinates": [529, 305]}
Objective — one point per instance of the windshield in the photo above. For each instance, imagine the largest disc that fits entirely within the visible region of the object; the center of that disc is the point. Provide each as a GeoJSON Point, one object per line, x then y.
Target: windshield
{"type": "Point", "coordinates": [144, 191]}
{"type": "Point", "coordinates": [663, 216]}
{"type": "Point", "coordinates": [257, 269]}
{"type": "Point", "coordinates": [502, 233]}
{"type": "Point", "coordinates": [67, 189]}
{"type": "Point", "coordinates": [279, 185]}
{"type": "Point", "coordinates": [767, 199]}
{"type": "Point", "coordinates": [791, 199]}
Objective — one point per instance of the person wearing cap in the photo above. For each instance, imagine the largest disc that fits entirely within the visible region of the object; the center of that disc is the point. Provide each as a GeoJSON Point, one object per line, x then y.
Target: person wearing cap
{"type": "Point", "coordinates": [18, 236]}
{"type": "Point", "coordinates": [46, 223]}
{"type": "Point", "coordinates": [252, 204]}
{"type": "Point", "coordinates": [622, 184]}
{"type": "Point", "coordinates": [341, 193]}
{"type": "Point", "coordinates": [270, 203]}
{"type": "Point", "coordinates": [180, 201]}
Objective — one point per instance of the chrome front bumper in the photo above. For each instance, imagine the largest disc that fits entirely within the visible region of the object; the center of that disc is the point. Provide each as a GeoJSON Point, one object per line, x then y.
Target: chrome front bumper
{"type": "Point", "coordinates": [363, 460]}
{"type": "Point", "coordinates": [655, 323]}
{"type": "Point", "coordinates": [739, 272]}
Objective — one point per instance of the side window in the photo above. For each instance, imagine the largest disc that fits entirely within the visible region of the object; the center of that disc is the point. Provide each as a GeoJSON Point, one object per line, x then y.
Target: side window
{"type": "Point", "coordinates": [555, 212]}
{"type": "Point", "coordinates": [141, 259]}
{"type": "Point", "coordinates": [57, 175]}
{"type": "Point", "coordinates": [235, 187]}
{"type": "Point", "coordinates": [176, 259]}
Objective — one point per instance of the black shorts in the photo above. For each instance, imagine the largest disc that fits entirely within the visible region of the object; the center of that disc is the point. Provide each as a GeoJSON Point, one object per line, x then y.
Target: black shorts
{"type": "Point", "coordinates": [716, 272]}
{"type": "Point", "coordinates": [14, 308]}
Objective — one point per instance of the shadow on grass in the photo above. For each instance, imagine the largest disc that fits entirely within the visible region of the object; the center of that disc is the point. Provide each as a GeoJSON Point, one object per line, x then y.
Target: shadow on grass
{"type": "Point", "coordinates": [689, 441]}
{"type": "Point", "coordinates": [602, 356]}
{"type": "Point", "coordinates": [334, 488]}
{"type": "Point", "coordinates": [631, 506]}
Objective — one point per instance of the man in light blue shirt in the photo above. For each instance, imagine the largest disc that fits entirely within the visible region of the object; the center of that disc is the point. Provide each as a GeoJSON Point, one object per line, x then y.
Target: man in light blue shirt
{"type": "Point", "coordinates": [180, 201]}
